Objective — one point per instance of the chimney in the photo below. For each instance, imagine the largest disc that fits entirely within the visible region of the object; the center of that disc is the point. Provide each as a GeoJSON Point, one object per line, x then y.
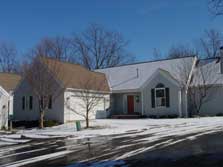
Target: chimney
{"type": "Point", "coordinates": [221, 59]}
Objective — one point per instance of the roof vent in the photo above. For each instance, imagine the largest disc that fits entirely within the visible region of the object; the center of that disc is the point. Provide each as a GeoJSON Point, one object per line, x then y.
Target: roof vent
{"type": "Point", "coordinates": [137, 73]}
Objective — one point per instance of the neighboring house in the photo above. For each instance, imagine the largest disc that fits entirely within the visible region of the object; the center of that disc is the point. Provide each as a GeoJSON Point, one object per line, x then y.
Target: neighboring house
{"type": "Point", "coordinates": [208, 74]}
{"type": "Point", "coordinates": [26, 103]}
{"type": "Point", "coordinates": [156, 88]}
{"type": "Point", "coordinates": [8, 83]}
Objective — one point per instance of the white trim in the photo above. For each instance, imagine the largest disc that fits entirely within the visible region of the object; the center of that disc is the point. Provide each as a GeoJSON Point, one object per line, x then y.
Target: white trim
{"type": "Point", "coordinates": [123, 104]}
{"type": "Point", "coordinates": [91, 91]}
{"type": "Point", "coordinates": [191, 73]}
{"type": "Point", "coordinates": [186, 104]}
{"type": "Point", "coordinates": [180, 103]}
{"type": "Point", "coordinates": [4, 92]}
{"type": "Point", "coordinates": [163, 73]}
{"type": "Point", "coordinates": [142, 102]}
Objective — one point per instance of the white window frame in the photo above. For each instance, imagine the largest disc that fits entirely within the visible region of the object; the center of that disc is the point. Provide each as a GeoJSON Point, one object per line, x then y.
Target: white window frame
{"type": "Point", "coordinates": [157, 106]}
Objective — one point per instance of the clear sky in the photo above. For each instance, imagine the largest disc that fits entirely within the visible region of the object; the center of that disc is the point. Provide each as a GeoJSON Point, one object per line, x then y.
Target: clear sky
{"type": "Point", "coordinates": [147, 24]}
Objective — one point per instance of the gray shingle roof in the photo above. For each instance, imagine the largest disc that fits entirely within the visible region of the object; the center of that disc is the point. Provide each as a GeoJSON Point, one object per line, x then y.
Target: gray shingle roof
{"type": "Point", "coordinates": [125, 77]}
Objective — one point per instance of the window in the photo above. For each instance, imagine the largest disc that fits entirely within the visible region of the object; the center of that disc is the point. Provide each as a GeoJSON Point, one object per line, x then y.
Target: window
{"type": "Point", "coordinates": [160, 96]}
{"type": "Point", "coordinates": [23, 102]}
{"type": "Point", "coordinates": [30, 102]}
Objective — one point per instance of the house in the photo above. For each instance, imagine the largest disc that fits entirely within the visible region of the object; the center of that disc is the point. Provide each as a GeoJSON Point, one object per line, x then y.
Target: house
{"type": "Point", "coordinates": [8, 83]}
{"type": "Point", "coordinates": [68, 106]}
{"type": "Point", "coordinates": [160, 88]}
{"type": "Point", "coordinates": [207, 81]}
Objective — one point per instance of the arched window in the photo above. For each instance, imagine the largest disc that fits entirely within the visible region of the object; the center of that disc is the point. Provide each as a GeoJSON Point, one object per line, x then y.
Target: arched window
{"type": "Point", "coordinates": [160, 96]}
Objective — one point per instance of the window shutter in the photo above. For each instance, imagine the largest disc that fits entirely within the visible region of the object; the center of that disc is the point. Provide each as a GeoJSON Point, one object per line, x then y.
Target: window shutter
{"type": "Point", "coordinates": [23, 102]}
{"type": "Point", "coordinates": [153, 98]}
{"type": "Point", "coordinates": [167, 97]}
{"type": "Point", "coordinates": [30, 102]}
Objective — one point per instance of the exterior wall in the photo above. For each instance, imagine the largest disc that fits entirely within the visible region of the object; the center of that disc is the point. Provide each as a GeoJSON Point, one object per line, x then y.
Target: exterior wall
{"type": "Point", "coordinates": [73, 100]}
{"type": "Point", "coordinates": [213, 104]}
{"type": "Point", "coordinates": [120, 106]}
{"type": "Point", "coordinates": [117, 104]}
{"type": "Point", "coordinates": [173, 109]}
{"type": "Point", "coordinates": [4, 111]}
{"type": "Point", "coordinates": [56, 113]}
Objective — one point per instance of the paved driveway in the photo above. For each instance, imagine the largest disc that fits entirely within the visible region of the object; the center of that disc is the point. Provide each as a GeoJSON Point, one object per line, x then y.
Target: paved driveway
{"type": "Point", "coordinates": [117, 150]}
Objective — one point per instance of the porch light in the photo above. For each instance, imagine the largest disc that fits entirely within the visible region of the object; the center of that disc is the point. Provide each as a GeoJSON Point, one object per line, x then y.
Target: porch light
{"type": "Point", "coordinates": [137, 99]}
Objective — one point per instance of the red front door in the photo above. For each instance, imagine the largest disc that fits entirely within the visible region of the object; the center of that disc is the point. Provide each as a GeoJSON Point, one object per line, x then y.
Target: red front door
{"type": "Point", "coordinates": [130, 101]}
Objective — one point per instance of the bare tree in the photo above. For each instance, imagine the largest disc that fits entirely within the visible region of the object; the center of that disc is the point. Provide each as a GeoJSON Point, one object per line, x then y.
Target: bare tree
{"type": "Point", "coordinates": [203, 84]}
{"type": "Point", "coordinates": [57, 47]}
{"type": "Point", "coordinates": [216, 7]}
{"type": "Point", "coordinates": [43, 75]}
{"type": "Point", "coordinates": [210, 43]}
{"type": "Point", "coordinates": [181, 51]}
{"type": "Point", "coordinates": [157, 54]}
{"type": "Point", "coordinates": [8, 55]}
{"type": "Point", "coordinates": [91, 95]}
{"type": "Point", "coordinates": [99, 48]}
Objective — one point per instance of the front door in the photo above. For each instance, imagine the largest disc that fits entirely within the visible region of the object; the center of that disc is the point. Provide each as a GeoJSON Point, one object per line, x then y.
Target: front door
{"type": "Point", "coordinates": [130, 101]}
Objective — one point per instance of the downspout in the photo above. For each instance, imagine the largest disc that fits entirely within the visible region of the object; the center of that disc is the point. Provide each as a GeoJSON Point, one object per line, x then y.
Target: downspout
{"type": "Point", "coordinates": [142, 99]}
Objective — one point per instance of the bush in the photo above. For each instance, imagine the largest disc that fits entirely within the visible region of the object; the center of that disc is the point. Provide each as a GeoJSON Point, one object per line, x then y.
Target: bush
{"type": "Point", "coordinates": [163, 116]}
{"type": "Point", "coordinates": [152, 116]}
{"type": "Point", "coordinates": [173, 116]}
{"type": "Point", "coordinates": [50, 123]}
{"type": "Point", "coordinates": [219, 114]}
{"type": "Point", "coordinates": [3, 128]}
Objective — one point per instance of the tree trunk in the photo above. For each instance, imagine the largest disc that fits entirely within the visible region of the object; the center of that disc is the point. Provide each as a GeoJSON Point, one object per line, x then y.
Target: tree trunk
{"type": "Point", "coordinates": [87, 122]}
{"type": "Point", "coordinates": [87, 118]}
{"type": "Point", "coordinates": [41, 119]}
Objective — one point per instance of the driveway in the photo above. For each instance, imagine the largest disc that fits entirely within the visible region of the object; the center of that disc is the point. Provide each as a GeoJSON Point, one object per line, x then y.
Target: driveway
{"type": "Point", "coordinates": [175, 142]}
{"type": "Point", "coordinates": [116, 150]}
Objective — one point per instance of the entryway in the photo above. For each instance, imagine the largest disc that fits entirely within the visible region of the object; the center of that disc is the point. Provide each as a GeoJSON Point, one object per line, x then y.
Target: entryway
{"type": "Point", "coordinates": [130, 104]}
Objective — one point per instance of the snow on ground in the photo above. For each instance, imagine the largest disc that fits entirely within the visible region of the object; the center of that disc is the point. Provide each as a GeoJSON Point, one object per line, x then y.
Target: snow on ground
{"type": "Point", "coordinates": [142, 135]}
{"type": "Point", "coordinates": [158, 128]}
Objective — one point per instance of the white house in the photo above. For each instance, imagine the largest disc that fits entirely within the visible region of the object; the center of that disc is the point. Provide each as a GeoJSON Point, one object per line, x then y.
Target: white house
{"type": "Point", "coordinates": [154, 88]}
{"type": "Point", "coordinates": [69, 106]}
{"type": "Point", "coordinates": [8, 83]}
{"type": "Point", "coordinates": [160, 88]}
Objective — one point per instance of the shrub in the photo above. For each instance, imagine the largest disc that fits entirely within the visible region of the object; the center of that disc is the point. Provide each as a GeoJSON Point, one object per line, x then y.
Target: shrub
{"type": "Point", "coordinates": [50, 123]}
{"type": "Point", "coordinates": [3, 128]}
{"type": "Point", "coordinates": [173, 116]}
{"type": "Point", "coordinates": [152, 116]}
{"type": "Point", "coordinates": [164, 116]}
{"type": "Point", "coordinates": [219, 114]}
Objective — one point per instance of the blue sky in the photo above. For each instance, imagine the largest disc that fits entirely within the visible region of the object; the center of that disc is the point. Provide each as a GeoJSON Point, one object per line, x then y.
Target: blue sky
{"type": "Point", "coordinates": [147, 24]}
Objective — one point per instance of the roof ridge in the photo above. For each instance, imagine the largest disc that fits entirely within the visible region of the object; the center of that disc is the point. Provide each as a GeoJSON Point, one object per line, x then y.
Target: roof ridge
{"type": "Point", "coordinates": [66, 62]}
{"type": "Point", "coordinates": [149, 61]}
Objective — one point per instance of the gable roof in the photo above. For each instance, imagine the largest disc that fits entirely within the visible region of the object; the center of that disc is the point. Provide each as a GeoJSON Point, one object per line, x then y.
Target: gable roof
{"type": "Point", "coordinates": [9, 81]}
{"type": "Point", "coordinates": [75, 76]}
{"type": "Point", "coordinates": [126, 78]}
{"type": "Point", "coordinates": [210, 70]}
